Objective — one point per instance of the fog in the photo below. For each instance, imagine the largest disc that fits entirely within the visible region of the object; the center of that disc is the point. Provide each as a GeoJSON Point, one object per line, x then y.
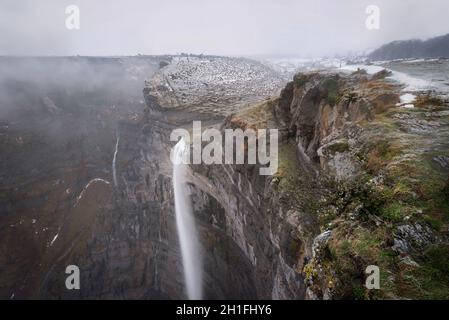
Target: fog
{"type": "Point", "coordinates": [36, 88]}
{"type": "Point", "coordinates": [235, 27]}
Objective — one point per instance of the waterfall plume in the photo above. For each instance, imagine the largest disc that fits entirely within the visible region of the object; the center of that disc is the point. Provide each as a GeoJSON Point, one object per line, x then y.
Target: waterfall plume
{"type": "Point", "coordinates": [114, 171]}
{"type": "Point", "coordinates": [185, 224]}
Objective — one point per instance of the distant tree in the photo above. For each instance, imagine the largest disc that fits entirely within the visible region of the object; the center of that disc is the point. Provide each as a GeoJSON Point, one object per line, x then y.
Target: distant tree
{"type": "Point", "coordinates": [437, 47]}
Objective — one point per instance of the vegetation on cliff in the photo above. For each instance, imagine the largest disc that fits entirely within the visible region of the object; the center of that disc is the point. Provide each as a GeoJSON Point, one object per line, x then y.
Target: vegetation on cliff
{"type": "Point", "coordinates": [392, 208]}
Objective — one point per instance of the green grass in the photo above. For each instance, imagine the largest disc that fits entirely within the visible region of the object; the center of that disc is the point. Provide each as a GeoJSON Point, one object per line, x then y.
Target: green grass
{"type": "Point", "coordinates": [393, 212]}
{"type": "Point", "coordinates": [351, 251]}
{"type": "Point", "coordinates": [341, 146]}
{"type": "Point", "coordinates": [431, 279]}
{"type": "Point", "coordinates": [300, 79]}
{"type": "Point", "coordinates": [378, 153]}
{"type": "Point", "coordinates": [364, 213]}
{"type": "Point", "coordinates": [290, 177]}
{"type": "Point", "coordinates": [332, 90]}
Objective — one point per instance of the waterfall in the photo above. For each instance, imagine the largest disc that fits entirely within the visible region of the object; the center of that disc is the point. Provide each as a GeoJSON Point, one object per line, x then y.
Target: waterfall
{"type": "Point", "coordinates": [185, 224]}
{"type": "Point", "coordinates": [114, 171]}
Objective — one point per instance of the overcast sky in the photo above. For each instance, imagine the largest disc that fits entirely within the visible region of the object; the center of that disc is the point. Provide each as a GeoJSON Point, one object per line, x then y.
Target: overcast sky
{"type": "Point", "coordinates": [231, 27]}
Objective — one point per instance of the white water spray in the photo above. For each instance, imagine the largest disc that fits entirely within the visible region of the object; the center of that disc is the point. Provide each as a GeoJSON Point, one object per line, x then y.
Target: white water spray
{"type": "Point", "coordinates": [185, 223]}
{"type": "Point", "coordinates": [114, 171]}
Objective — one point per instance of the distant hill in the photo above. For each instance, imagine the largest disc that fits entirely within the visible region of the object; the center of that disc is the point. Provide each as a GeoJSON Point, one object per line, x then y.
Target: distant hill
{"type": "Point", "coordinates": [433, 48]}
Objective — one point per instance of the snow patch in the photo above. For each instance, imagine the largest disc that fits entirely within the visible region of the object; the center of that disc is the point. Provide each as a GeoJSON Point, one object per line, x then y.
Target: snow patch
{"type": "Point", "coordinates": [370, 69]}
{"type": "Point", "coordinates": [406, 101]}
{"type": "Point", "coordinates": [407, 98]}
{"type": "Point", "coordinates": [411, 83]}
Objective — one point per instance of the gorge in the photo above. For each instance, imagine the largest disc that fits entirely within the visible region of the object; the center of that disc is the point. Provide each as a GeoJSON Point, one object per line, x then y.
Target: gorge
{"type": "Point", "coordinates": [361, 181]}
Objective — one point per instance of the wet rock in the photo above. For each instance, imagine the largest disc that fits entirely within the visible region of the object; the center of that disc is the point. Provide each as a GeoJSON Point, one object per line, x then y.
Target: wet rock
{"type": "Point", "coordinates": [409, 237]}
{"type": "Point", "coordinates": [443, 161]}
{"type": "Point", "coordinates": [321, 241]}
{"type": "Point", "coordinates": [318, 109]}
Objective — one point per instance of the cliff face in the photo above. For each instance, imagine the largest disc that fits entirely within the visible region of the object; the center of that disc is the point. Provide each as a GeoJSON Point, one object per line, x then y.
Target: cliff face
{"type": "Point", "coordinates": [375, 162]}
{"type": "Point", "coordinates": [58, 125]}
{"type": "Point", "coordinates": [122, 236]}
{"type": "Point", "coordinates": [361, 181]}
{"type": "Point", "coordinates": [242, 218]}
{"type": "Point", "coordinates": [341, 200]}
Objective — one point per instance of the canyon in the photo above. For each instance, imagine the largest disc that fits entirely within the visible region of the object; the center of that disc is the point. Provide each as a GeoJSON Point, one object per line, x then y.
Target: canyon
{"type": "Point", "coordinates": [86, 179]}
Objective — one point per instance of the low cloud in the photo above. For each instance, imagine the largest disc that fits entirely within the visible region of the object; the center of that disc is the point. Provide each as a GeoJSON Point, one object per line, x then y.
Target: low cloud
{"type": "Point", "coordinates": [243, 27]}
